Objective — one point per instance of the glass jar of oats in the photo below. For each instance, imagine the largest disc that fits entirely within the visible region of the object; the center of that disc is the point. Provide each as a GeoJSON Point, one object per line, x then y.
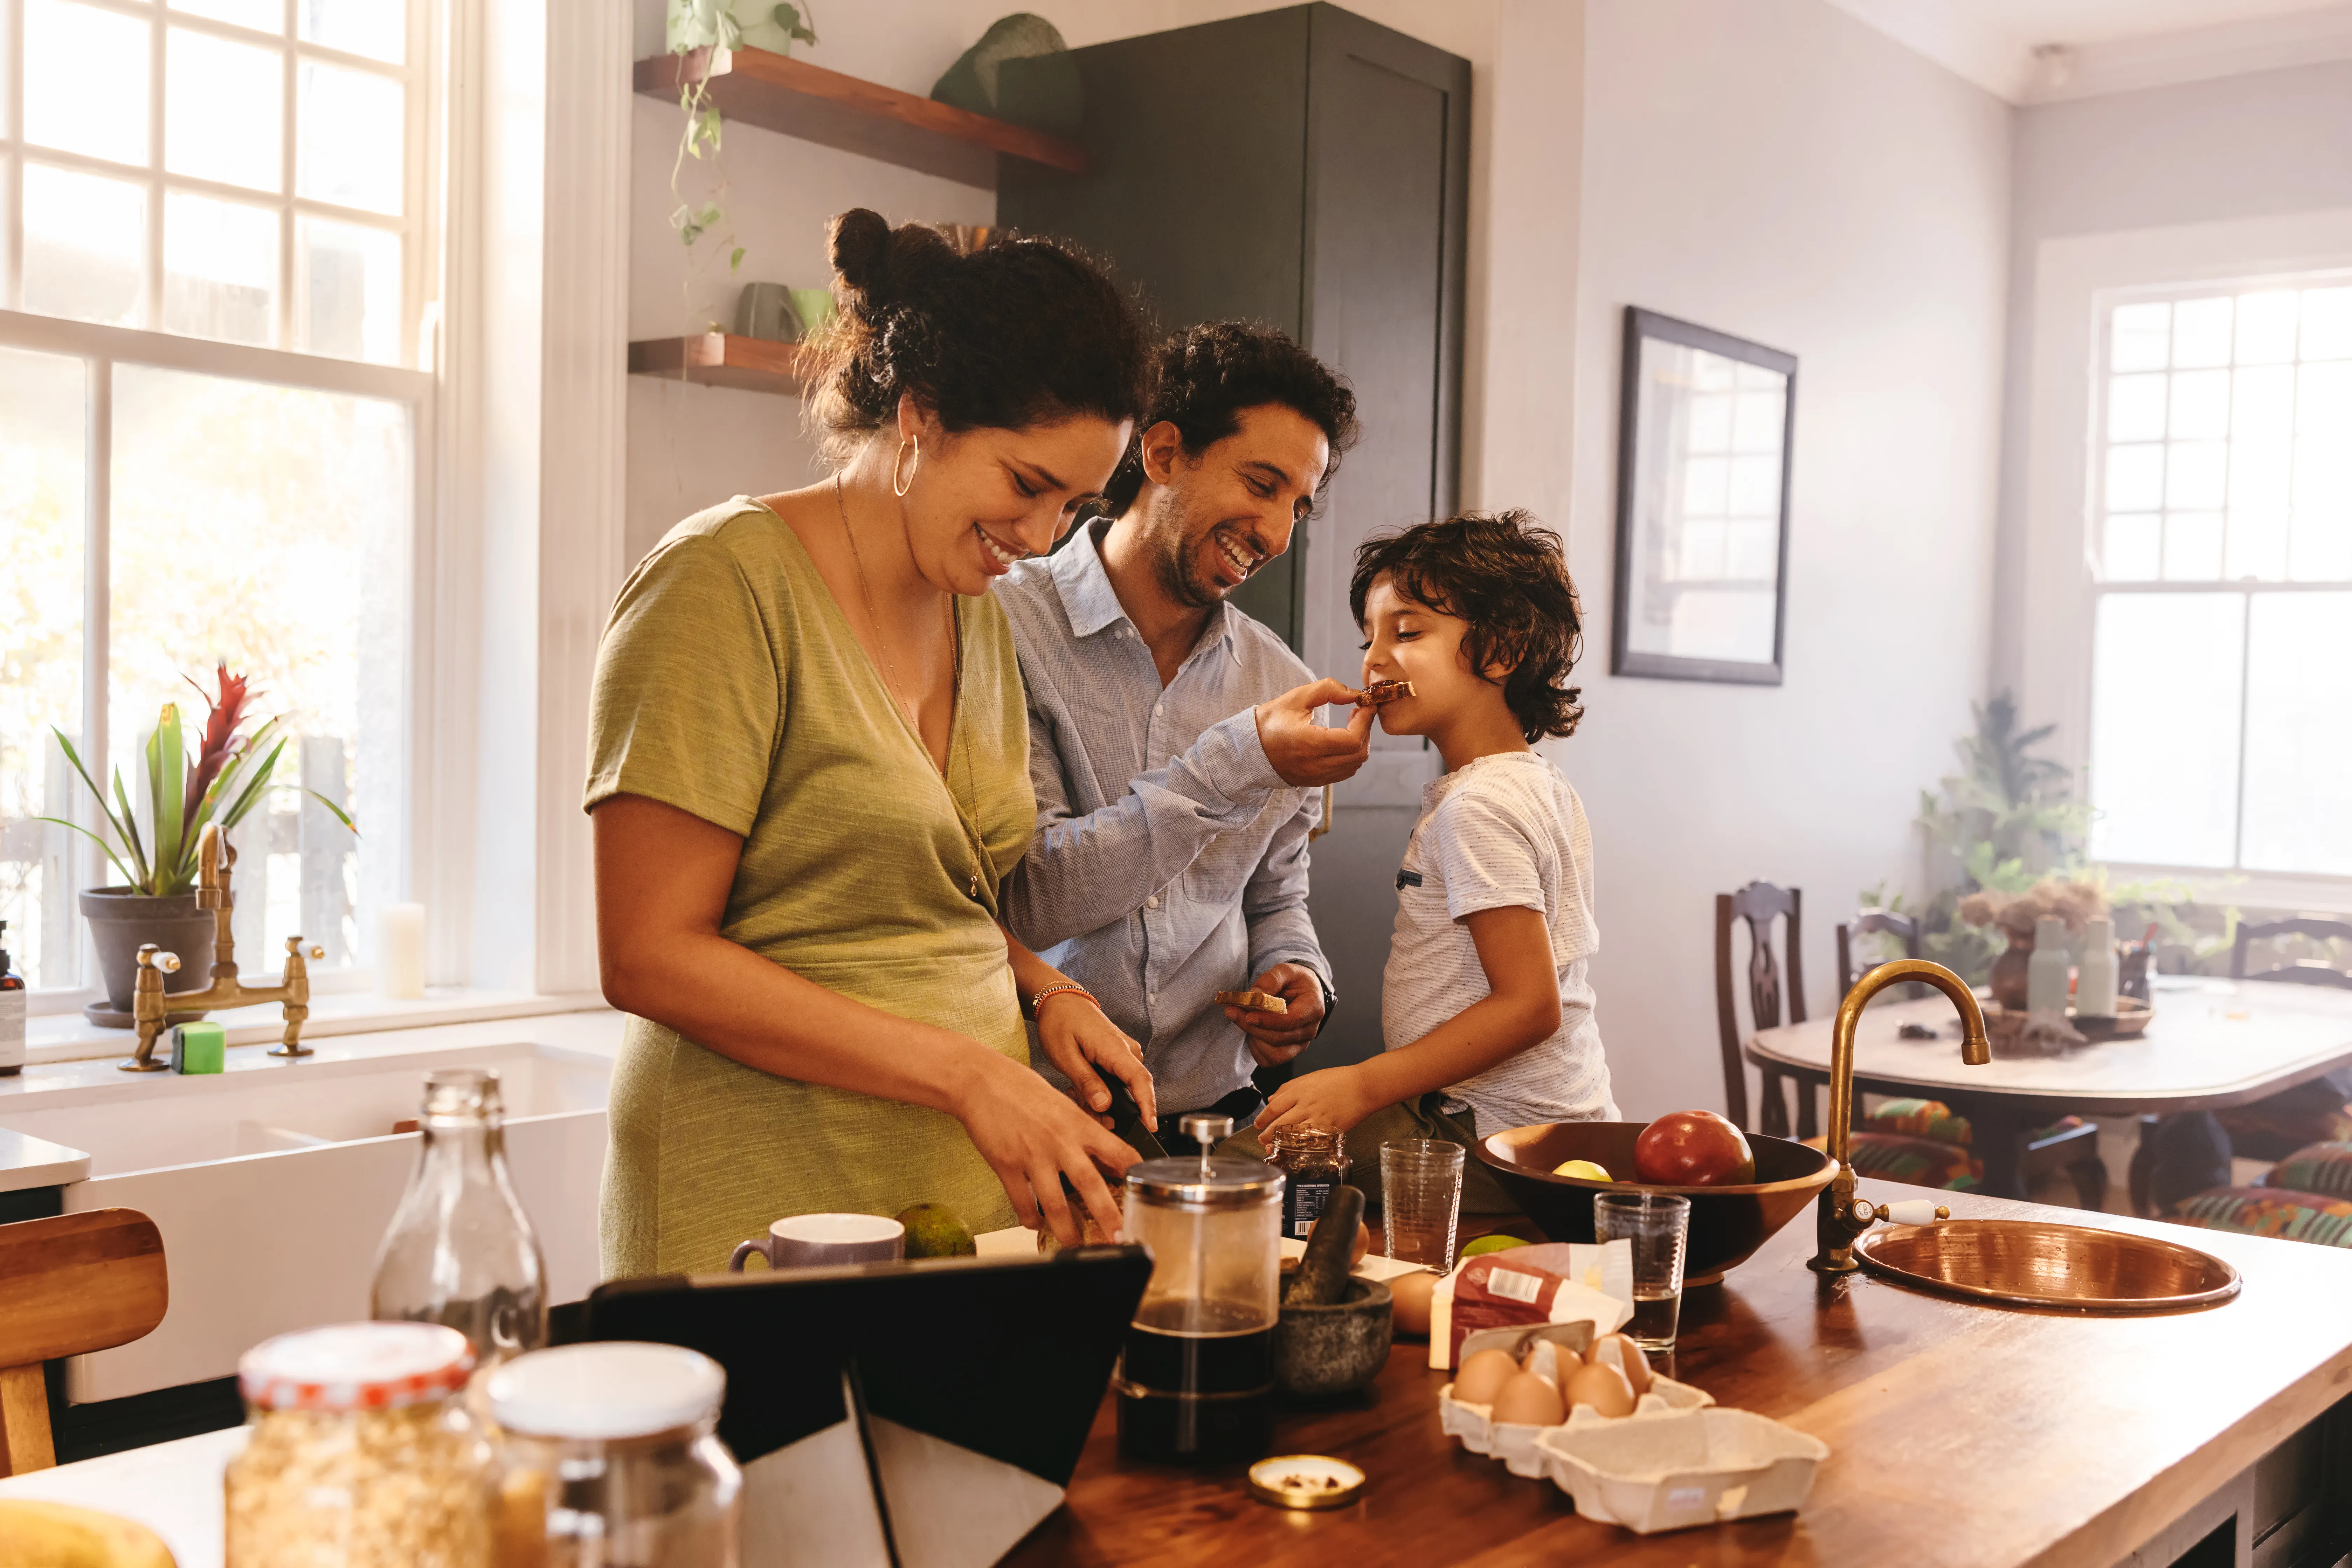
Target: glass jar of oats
{"type": "Point", "coordinates": [361, 1453]}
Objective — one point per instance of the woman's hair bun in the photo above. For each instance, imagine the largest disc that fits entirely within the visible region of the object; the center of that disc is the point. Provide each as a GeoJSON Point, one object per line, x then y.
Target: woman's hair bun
{"type": "Point", "coordinates": [861, 249]}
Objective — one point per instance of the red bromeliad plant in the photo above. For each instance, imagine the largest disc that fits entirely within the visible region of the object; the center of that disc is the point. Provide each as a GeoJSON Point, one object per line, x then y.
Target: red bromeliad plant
{"type": "Point", "coordinates": [224, 782]}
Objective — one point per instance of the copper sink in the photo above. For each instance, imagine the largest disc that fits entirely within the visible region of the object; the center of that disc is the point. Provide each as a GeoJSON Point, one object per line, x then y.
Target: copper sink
{"type": "Point", "coordinates": [2029, 1263]}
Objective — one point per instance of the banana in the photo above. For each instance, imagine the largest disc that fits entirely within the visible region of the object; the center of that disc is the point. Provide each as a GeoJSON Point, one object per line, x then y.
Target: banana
{"type": "Point", "coordinates": [57, 1535]}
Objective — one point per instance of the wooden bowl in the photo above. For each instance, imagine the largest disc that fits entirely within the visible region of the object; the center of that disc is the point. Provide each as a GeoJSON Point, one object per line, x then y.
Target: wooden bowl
{"type": "Point", "coordinates": [1726, 1223]}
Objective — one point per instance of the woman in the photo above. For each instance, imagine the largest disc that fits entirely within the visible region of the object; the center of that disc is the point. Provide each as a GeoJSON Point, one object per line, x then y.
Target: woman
{"type": "Point", "coordinates": [809, 775]}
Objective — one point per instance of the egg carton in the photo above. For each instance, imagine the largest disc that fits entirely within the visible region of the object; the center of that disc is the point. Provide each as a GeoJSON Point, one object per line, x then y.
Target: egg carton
{"type": "Point", "coordinates": [1517, 1444]}
{"type": "Point", "coordinates": [1673, 1469]}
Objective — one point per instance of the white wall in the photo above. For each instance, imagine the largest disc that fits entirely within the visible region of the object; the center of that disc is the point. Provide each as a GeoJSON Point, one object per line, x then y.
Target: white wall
{"type": "Point", "coordinates": [2265, 144]}
{"type": "Point", "coordinates": [1776, 169]}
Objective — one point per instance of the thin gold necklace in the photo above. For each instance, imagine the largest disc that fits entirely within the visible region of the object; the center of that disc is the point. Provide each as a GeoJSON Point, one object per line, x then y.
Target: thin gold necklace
{"type": "Point", "coordinates": [899, 702]}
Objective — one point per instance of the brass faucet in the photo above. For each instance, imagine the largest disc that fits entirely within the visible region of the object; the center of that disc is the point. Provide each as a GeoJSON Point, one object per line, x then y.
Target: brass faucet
{"type": "Point", "coordinates": [151, 1005]}
{"type": "Point", "coordinates": [1843, 1216]}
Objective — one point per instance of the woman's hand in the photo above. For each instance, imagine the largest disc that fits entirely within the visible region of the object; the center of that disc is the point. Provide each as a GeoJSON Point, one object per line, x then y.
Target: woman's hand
{"type": "Point", "coordinates": [1336, 1098]}
{"type": "Point", "coordinates": [1033, 1138]}
{"type": "Point", "coordinates": [1078, 1037]}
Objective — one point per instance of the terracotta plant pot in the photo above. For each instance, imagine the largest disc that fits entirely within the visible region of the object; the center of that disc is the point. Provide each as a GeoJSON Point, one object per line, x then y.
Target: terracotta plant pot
{"type": "Point", "coordinates": [2008, 972]}
{"type": "Point", "coordinates": [121, 922]}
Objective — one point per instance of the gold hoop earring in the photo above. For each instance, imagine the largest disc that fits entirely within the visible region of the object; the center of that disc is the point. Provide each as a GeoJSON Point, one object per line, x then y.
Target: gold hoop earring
{"type": "Point", "coordinates": [896, 487]}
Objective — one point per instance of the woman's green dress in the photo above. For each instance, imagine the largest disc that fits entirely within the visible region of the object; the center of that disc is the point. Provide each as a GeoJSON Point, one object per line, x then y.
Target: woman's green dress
{"type": "Point", "coordinates": [729, 685]}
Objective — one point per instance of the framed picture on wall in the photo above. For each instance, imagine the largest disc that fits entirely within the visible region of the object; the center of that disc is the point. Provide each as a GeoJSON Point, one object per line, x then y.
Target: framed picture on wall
{"type": "Point", "coordinates": [1704, 435]}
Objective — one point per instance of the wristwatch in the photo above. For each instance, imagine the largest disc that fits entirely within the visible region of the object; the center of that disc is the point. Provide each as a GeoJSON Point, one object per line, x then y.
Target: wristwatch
{"type": "Point", "coordinates": [1330, 1001]}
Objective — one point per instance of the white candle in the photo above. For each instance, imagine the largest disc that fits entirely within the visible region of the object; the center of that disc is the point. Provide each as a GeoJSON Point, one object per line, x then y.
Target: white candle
{"type": "Point", "coordinates": [400, 950]}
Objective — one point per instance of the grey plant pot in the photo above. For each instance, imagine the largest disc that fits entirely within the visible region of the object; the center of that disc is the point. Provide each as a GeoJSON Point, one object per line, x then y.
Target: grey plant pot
{"type": "Point", "coordinates": [121, 921]}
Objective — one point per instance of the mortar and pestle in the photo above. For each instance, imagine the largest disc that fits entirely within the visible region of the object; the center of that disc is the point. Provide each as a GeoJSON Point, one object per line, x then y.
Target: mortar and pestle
{"type": "Point", "coordinates": [1332, 1336]}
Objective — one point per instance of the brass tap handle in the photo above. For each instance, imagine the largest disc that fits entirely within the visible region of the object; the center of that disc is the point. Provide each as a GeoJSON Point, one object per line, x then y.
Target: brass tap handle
{"type": "Point", "coordinates": [1882, 1212]}
{"type": "Point", "coordinates": [169, 962]}
{"type": "Point", "coordinates": [147, 1008]}
{"type": "Point", "coordinates": [296, 1007]}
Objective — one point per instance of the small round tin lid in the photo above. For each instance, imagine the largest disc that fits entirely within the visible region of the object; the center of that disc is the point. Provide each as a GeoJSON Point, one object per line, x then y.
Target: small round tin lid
{"type": "Point", "coordinates": [1306, 1482]}
{"type": "Point", "coordinates": [356, 1366]}
{"type": "Point", "coordinates": [605, 1391]}
{"type": "Point", "coordinates": [1213, 1183]}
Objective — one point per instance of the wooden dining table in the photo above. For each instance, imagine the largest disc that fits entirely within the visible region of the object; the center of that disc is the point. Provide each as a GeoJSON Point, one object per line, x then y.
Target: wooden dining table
{"type": "Point", "coordinates": [2210, 1045]}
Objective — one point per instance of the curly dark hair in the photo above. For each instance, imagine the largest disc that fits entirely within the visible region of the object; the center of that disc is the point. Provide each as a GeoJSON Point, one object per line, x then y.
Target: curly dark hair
{"type": "Point", "coordinates": [1207, 374]}
{"type": "Point", "coordinates": [1506, 575]}
{"type": "Point", "coordinates": [1015, 332]}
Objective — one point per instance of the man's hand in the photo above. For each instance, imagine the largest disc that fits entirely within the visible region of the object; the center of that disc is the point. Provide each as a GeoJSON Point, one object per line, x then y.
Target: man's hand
{"type": "Point", "coordinates": [1336, 1098]}
{"type": "Point", "coordinates": [1308, 754]}
{"type": "Point", "coordinates": [1275, 1037]}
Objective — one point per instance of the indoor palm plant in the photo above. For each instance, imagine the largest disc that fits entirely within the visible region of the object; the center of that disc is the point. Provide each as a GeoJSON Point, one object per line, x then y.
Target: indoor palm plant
{"type": "Point", "coordinates": [227, 777]}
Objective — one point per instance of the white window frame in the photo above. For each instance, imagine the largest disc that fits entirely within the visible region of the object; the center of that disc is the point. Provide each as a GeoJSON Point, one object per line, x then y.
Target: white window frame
{"type": "Point", "coordinates": [2077, 281]}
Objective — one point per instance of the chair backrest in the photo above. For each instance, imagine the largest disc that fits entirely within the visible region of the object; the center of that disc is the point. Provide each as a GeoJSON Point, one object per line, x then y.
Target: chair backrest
{"type": "Point", "coordinates": [2308, 972]}
{"type": "Point", "coordinates": [1871, 923]}
{"type": "Point", "coordinates": [1757, 903]}
{"type": "Point", "coordinates": [69, 1285]}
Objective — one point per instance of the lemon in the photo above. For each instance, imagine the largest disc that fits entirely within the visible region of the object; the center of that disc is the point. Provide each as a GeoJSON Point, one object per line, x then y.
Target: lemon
{"type": "Point", "coordinates": [1584, 1170]}
{"type": "Point", "coordinates": [1491, 1244]}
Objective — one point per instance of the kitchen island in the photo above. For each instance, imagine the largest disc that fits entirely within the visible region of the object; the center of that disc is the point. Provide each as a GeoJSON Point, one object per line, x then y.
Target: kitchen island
{"type": "Point", "coordinates": [1960, 1435]}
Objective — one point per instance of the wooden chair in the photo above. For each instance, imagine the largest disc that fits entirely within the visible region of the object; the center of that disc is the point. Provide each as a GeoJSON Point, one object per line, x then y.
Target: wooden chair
{"type": "Point", "coordinates": [69, 1285]}
{"type": "Point", "coordinates": [1868, 923]}
{"type": "Point", "coordinates": [2307, 972]}
{"type": "Point", "coordinates": [1759, 904]}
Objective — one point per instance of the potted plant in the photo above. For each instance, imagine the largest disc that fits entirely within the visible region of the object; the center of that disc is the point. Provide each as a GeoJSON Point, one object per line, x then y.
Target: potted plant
{"type": "Point", "coordinates": [157, 902]}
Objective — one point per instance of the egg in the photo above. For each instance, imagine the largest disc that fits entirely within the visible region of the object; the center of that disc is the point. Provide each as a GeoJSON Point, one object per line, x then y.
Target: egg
{"type": "Point", "coordinates": [1551, 1360]}
{"type": "Point", "coordinates": [1629, 1360]}
{"type": "Point", "coordinates": [1602, 1386]}
{"type": "Point", "coordinates": [1483, 1375]}
{"type": "Point", "coordinates": [1410, 1294]}
{"type": "Point", "coordinates": [1528, 1401]}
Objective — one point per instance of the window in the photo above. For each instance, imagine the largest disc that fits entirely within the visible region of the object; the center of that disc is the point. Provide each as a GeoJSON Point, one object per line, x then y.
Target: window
{"type": "Point", "coordinates": [2221, 550]}
{"type": "Point", "coordinates": [213, 259]}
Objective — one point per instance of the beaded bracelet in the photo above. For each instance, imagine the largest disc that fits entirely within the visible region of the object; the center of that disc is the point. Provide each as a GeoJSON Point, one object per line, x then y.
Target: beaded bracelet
{"type": "Point", "coordinates": [1055, 989]}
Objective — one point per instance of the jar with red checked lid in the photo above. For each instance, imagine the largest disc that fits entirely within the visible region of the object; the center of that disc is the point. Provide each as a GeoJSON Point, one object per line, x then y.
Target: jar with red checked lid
{"type": "Point", "coordinates": [360, 1454]}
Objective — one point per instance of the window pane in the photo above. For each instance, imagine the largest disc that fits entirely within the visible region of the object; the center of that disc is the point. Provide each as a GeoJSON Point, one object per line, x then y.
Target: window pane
{"type": "Point", "coordinates": [2141, 339]}
{"type": "Point", "coordinates": [2135, 479]}
{"type": "Point", "coordinates": [269, 16]}
{"type": "Point", "coordinates": [2134, 549]}
{"type": "Point", "coordinates": [351, 152]}
{"type": "Point", "coordinates": [2164, 727]}
{"type": "Point", "coordinates": [2262, 404]}
{"type": "Point", "coordinates": [2261, 474]}
{"type": "Point", "coordinates": [2323, 402]}
{"type": "Point", "coordinates": [2257, 545]}
{"type": "Point", "coordinates": [377, 28]}
{"type": "Point", "coordinates": [2136, 408]}
{"type": "Point", "coordinates": [2327, 323]}
{"type": "Point", "coordinates": [2298, 745]}
{"type": "Point", "coordinates": [2200, 405]}
{"type": "Point", "coordinates": [2323, 475]}
{"type": "Point", "coordinates": [83, 238]}
{"type": "Point", "coordinates": [2322, 547]}
{"type": "Point", "coordinates": [2266, 327]}
{"type": "Point", "coordinates": [2200, 333]}
{"type": "Point", "coordinates": [222, 103]}
{"type": "Point", "coordinates": [220, 269]}
{"type": "Point", "coordinates": [347, 282]}
{"type": "Point", "coordinates": [2196, 474]}
{"type": "Point", "coordinates": [2192, 546]}
{"type": "Point", "coordinates": [86, 80]}
{"type": "Point", "coordinates": [268, 526]}
{"type": "Point", "coordinates": [41, 407]}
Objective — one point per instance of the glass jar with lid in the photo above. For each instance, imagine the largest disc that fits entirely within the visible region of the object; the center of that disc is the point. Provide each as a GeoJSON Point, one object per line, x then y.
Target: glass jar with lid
{"type": "Point", "coordinates": [361, 1453]}
{"type": "Point", "coordinates": [1196, 1374]}
{"type": "Point", "coordinates": [612, 1458]}
{"type": "Point", "coordinates": [1314, 1160]}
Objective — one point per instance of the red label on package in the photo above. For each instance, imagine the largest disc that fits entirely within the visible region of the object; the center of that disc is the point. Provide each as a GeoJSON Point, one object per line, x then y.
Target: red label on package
{"type": "Point", "coordinates": [1488, 1294]}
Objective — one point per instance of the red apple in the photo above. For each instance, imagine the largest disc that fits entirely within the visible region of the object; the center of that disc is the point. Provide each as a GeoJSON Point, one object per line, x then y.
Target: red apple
{"type": "Point", "coordinates": [1693, 1148]}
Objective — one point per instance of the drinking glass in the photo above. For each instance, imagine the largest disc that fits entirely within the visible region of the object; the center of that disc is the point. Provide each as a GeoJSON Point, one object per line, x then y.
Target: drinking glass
{"type": "Point", "coordinates": [1421, 1198]}
{"type": "Point", "coordinates": [1658, 1224]}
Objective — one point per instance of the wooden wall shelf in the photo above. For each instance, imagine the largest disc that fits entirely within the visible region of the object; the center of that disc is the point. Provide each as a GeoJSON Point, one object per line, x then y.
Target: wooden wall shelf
{"type": "Point", "coordinates": [778, 93]}
{"type": "Point", "coordinates": [723, 359]}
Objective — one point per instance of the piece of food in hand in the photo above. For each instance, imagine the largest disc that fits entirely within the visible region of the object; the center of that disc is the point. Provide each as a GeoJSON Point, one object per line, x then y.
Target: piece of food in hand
{"type": "Point", "coordinates": [1528, 1401]}
{"type": "Point", "coordinates": [1482, 1376]}
{"type": "Point", "coordinates": [1486, 1244]}
{"type": "Point", "coordinates": [1583, 1170]}
{"type": "Point", "coordinates": [1379, 691]}
{"type": "Point", "coordinates": [1616, 1349]}
{"type": "Point", "coordinates": [1693, 1148]}
{"type": "Point", "coordinates": [934, 1230]}
{"type": "Point", "coordinates": [1409, 1296]}
{"type": "Point", "coordinates": [1253, 1001]}
{"type": "Point", "coordinates": [1602, 1386]}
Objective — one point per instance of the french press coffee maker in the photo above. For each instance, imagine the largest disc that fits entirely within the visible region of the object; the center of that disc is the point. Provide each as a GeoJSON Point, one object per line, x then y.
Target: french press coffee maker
{"type": "Point", "coordinates": [1196, 1378]}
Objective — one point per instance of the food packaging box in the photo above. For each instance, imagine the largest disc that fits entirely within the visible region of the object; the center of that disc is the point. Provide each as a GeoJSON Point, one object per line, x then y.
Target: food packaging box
{"type": "Point", "coordinates": [1559, 1282]}
{"type": "Point", "coordinates": [1671, 1470]}
{"type": "Point", "coordinates": [1516, 1445]}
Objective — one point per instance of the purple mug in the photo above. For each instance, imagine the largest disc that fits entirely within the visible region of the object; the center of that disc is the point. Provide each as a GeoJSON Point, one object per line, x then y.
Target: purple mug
{"type": "Point", "coordinates": [816, 1240]}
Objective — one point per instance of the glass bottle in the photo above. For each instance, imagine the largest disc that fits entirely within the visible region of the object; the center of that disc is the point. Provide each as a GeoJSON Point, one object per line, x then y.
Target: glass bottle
{"type": "Point", "coordinates": [1316, 1161]}
{"type": "Point", "coordinates": [461, 1250]}
{"type": "Point", "coordinates": [612, 1458]}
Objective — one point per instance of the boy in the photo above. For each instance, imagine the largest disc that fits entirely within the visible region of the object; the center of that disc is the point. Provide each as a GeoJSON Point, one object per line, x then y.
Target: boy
{"type": "Point", "coordinates": [1486, 1009]}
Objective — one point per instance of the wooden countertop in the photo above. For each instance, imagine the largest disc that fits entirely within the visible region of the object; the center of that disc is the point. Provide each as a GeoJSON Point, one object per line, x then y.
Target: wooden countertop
{"type": "Point", "coordinates": [1960, 1437]}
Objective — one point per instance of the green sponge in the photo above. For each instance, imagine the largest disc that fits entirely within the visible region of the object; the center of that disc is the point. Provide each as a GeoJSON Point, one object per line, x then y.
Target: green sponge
{"type": "Point", "coordinates": [198, 1048]}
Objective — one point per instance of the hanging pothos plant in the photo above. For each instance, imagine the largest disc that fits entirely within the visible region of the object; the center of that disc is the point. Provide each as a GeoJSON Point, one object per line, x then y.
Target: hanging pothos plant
{"type": "Point", "coordinates": [714, 25]}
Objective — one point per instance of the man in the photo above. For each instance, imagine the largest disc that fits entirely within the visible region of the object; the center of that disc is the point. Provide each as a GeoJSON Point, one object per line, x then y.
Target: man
{"type": "Point", "coordinates": [1173, 740]}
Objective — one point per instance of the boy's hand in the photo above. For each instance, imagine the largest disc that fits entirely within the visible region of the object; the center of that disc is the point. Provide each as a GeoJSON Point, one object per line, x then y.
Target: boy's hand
{"type": "Point", "coordinates": [1275, 1037]}
{"type": "Point", "coordinates": [1306, 754]}
{"type": "Point", "coordinates": [1336, 1098]}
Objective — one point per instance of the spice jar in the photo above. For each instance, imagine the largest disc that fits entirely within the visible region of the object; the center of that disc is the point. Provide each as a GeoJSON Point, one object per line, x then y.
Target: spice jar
{"type": "Point", "coordinates": [1315, 1160]}
{"type": "Point", "coordinates": [612, 1458]}
{"type": "Point", "coordinates": [361, 1453]}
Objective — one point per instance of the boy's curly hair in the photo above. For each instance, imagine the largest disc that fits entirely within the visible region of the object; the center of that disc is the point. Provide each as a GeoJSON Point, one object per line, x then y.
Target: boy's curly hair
{"type": "Point", "coordinates": [1506, 575]}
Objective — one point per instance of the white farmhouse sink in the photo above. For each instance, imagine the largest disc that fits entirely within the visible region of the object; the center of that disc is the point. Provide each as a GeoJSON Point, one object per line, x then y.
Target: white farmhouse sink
{"type": "Point", "coordinates": [273, 1182]}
